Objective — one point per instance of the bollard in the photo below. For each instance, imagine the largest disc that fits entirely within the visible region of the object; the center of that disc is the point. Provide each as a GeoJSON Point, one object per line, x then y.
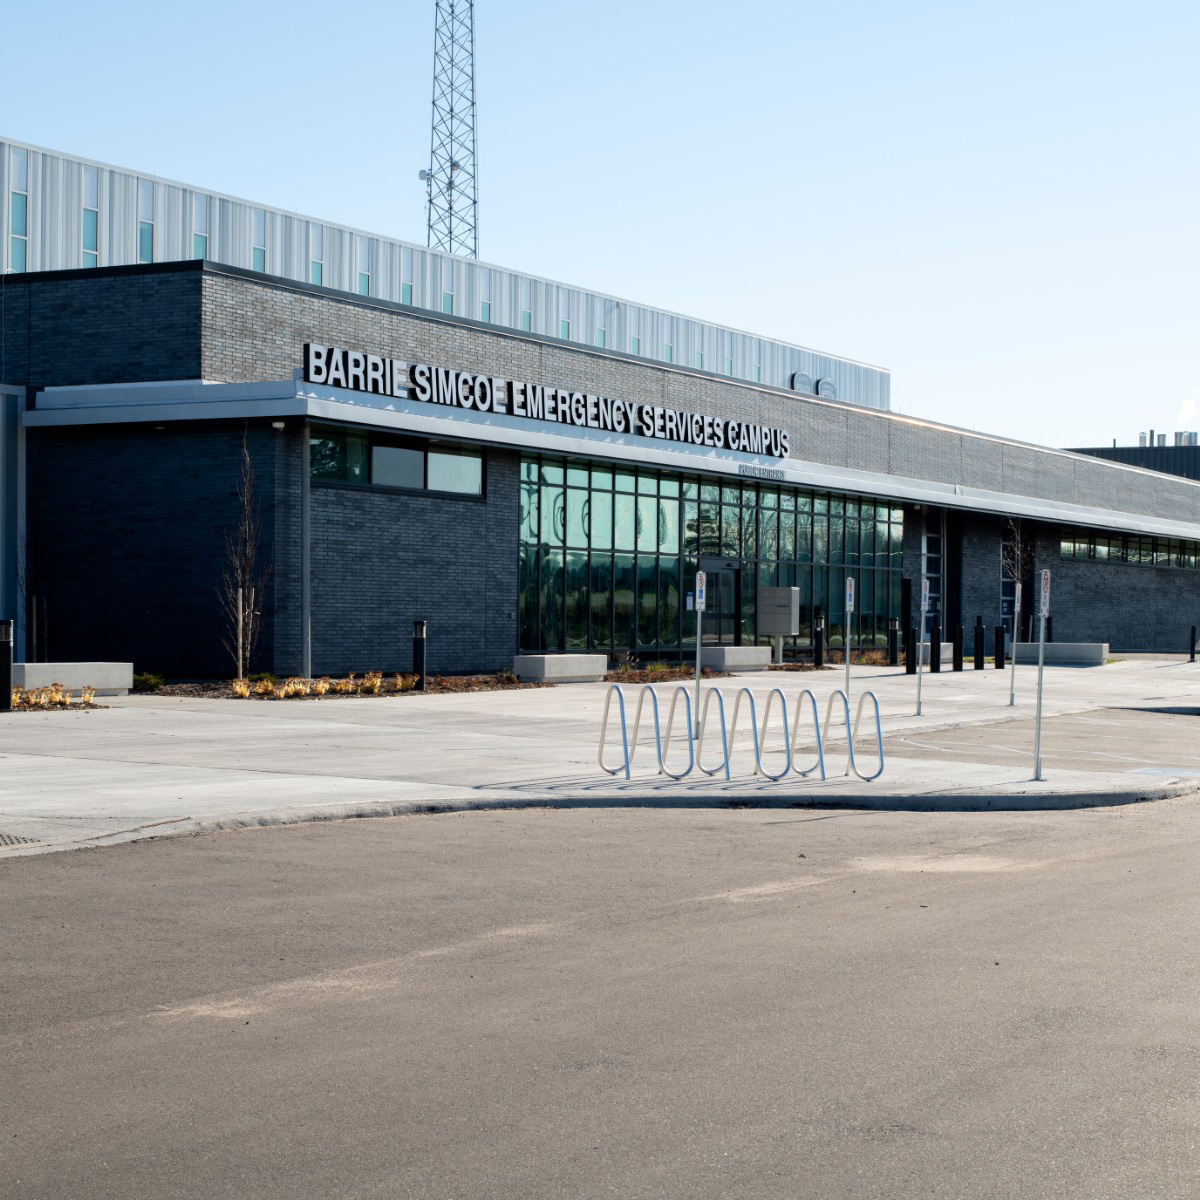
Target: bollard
{"type": "Point", "coordinates": [419, 654]}
{"type": "Point", "coordinates": [980, 635]}
{"type": "Point", "coordinates": [894, 642]}
{"type": "Point", "coordinates": [935, 647]}
{"type": "Point", "coordinates": [1192, 645]}
{"type": "Point", "coordinates": [999, 647]}
{"type": "Point", "coordinates": [910, 650]}
{"type": "Point", "coordinates": [819, 643]}
{"type": "Point", "coordinates": [6, 665]}
{"type": "Point", "coordinates": [958, 648]}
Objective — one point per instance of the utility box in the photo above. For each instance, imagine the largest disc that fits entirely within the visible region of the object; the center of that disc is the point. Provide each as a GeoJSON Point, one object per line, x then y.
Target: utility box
{"type": "Point", "coordinates": [779, 611]}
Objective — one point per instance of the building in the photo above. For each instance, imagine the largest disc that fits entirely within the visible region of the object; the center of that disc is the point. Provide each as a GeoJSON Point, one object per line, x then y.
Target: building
{"type": "Point", "coordinates": [468, 466]}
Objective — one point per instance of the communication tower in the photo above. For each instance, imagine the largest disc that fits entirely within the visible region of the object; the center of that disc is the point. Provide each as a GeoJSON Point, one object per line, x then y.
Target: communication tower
{"type": "Point", "coordinates": [452, 198]}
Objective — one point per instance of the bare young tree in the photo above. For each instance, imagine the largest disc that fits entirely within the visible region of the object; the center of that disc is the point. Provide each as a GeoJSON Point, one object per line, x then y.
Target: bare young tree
{"type": "Point", "coordinates": [1017, 558]}
{"type": "Point", "coordinates": [246, 578]}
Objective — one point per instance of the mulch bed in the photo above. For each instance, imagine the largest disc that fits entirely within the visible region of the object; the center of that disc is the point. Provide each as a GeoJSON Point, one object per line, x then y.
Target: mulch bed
{"type": "Point", "coordinates": [217, 689]}
{"type": "Point", "coordinates": [661, 674]}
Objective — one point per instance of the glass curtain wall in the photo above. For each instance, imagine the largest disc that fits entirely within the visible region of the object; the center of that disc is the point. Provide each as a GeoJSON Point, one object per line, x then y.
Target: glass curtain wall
{"type": "Point", "coordinates": [609, 555]}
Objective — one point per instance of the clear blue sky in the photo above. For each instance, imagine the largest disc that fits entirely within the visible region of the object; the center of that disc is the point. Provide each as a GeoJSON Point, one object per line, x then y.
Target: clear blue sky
{"type": "Point", "coordinates": [998, 202]}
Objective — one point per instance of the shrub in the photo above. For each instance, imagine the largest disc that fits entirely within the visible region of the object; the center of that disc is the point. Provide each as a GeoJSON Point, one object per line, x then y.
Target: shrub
{"type": "Point", "coordinates": [372, 683]}
{"type": "Point", "coordinates": [147, 681]}
{"type": "Point", "coordinates": [240, 688]}
{"type": "Point", "coordinates": [321, 686]}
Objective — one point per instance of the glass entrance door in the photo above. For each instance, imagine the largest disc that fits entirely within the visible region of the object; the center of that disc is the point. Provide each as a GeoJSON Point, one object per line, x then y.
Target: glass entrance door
{"type": "Point", "coordinates": [722, 617]}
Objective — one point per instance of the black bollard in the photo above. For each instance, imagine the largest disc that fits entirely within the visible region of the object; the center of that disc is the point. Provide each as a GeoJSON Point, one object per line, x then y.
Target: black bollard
{"type": "Point", "coordinates": [6, 665]}
{"type": "Point", "coordinates": [980, 636]}
{"type": "Point", "coordinates": [935, 647]}
{"type": "Point", "coordinates": [958, 648]}
{"type": "Point", "coordinates": [819, 644]}
{"type": "Point", "coordinates": [910, 650]}
{"type": "Point", "coordinates": [999, 647]}
{"type": "Point", "coordinates": [1192, 645]}
{"type": "Point", "coordinates": [419, 654]}
{"type": "Point", "coordinates": [894, 643]}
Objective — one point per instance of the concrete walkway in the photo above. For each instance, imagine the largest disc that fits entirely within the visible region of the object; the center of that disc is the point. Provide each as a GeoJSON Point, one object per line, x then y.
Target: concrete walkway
{"type": "Point", "coordinates": [147, 766]}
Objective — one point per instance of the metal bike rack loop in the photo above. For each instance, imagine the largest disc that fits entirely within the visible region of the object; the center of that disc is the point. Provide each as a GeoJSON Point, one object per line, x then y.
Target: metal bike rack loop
{"type": "Point", "coordinates": [604, 731]}
{"type": "Point", "coordinates": [647, 690]}
{"type": "Point", "coordinates": [820, 763]}
{"type": "Point", "coordinates": [852, 731]}
{"type": "Point", "coordinates": [759, 769]}
{"type": "Point", "coordinates": [708, 696]}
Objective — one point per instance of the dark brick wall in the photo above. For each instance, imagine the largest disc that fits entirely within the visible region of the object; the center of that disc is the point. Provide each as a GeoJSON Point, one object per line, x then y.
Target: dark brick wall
{"type": "Point", "coordinates": [381, 560]}
{"type": "Point", "coordinates": [122, 324]}
{"type": "Point", "coordinates": [1130, 607]}
{"type": "Point", "coordinates": [127, 530]}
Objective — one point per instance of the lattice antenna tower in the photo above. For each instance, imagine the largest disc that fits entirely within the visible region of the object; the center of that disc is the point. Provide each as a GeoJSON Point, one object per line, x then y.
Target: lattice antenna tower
{"type": "Point", "coordinates": [452, 197]}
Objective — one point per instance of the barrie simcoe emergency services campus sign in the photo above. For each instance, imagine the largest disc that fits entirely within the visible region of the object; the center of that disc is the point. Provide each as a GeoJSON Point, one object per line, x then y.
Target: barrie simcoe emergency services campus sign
{"type": "Point", "coordinates": [371, 373]}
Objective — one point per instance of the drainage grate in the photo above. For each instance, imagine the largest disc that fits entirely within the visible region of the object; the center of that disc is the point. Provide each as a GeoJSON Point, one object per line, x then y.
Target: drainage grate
{"type": "Point", "coordinates": [11, 839]}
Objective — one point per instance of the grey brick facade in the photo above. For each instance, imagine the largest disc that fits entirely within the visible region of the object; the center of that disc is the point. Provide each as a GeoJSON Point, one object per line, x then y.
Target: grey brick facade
{"type": "Point", "coordinates": [126, 522]}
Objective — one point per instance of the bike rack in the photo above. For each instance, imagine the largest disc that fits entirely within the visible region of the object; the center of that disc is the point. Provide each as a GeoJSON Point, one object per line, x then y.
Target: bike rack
{"type": "Point", "coordinates": [852, 731]}
{"type": "Point", "coordinates": [728, 733]}
{"type": "Point", "coordinates": [704, 725]}
{"type": "Point", "coordinates": [820, 763]}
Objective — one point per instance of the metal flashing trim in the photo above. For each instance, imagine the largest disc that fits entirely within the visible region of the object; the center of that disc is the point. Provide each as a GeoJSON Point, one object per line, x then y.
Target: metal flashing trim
{"type": "Point", "coordinates": [197, 401]}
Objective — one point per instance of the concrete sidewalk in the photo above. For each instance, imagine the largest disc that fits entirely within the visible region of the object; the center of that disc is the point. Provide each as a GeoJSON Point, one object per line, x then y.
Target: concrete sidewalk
{"type": "Point", "coordinates": [146, 766]}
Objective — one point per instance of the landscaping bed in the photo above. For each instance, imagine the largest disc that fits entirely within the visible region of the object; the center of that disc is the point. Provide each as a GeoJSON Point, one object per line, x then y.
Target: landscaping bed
{"type": "Point", "coordinates": [373, 683]}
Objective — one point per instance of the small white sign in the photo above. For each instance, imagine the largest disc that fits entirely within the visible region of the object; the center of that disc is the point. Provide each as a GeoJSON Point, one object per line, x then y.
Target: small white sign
{"type": "Point", "coordinates": [700, 586]}
{"type": "Point", "coordinates": [849, 594]}
{"type": "Point", "coordinates": [1045, 610]}
{"type": "Point", "coordinates": [924, 595]}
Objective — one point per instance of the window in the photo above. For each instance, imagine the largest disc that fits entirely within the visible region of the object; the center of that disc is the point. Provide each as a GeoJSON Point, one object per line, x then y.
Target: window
{"type": "Point", "coordinates": [447, 287]}
{"type": "Point", "coordinates": [339, 456]}
{"type": "Point", "coordinates": [668, 340]}
{"type": "Point", "coordinates": [668, 353]}
{"type": "Point", "coordinates": [18, 211]}
{"type": "Point", "coordinates": [757, 373]}
{"type": "Point", "coordinates": [728, 365]}
{"type": "Point", "coordinates": [699, 360]}
{"type": "Point", "coordinates": [485, 310]}
{"type": "Point", "coordinates": [455, 471]}
{"type": "Point", "coordinates": [199, 226]}
{"type": "Point", "coordinates": [316, 258]}
{"type": "Point", "coordinates": [635, 344]}
{"type": "Point", "coordinates": [91, 217]}
{"type": "Point", "coordinates": [259, 256]}
{"type": "Point", "coordinates": [526, 305]}
{"type": "Point", "coordinates": [364, 267]}
{"type": "Point", "coordinates": [564, 329]}
{"type": "Point", "coordinates": [397, 466]}
{"type": "Point", "coordinates": [600, 336]}
{"type": "Point", "coordinates": [145, 221]}
{"type": "Point", "coordinates": [406, 275]}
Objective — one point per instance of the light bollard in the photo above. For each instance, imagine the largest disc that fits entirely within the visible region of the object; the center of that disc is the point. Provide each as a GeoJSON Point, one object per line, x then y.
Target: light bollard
{"type": "Point", "coordinates": [419, 642]}
{"type": "Point", "coordinates": [6, 665]}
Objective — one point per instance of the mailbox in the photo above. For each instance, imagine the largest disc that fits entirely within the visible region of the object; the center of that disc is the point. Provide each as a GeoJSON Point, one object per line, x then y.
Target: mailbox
{"type": "Point", "coordinates": [779, 611]}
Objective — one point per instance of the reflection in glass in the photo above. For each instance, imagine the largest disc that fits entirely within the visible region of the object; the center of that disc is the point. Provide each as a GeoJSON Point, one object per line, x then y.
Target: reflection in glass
{"type": "Point", "coordinates": [552, 600]}
{"type": "Point", "coordinates": [577, 600]}
{"type": "Point", "coordinates": [623, 589]}
{"type": "Point", "coordinates": [647, 605]}
{"type": "Point", "coordinates": [647, 523]}
{"type": "Point", "coordinates": [623, 522]}
{"type": "Point", "coordinates": [576, 517]}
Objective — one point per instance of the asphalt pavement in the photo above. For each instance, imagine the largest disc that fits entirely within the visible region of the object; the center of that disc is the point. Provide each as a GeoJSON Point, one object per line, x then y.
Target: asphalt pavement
{"type": "Point", "coordinates": [594, 1003]}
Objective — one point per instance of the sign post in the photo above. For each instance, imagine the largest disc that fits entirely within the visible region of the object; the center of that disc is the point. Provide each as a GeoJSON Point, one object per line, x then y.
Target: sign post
{"type": "Point", "coordinates": [1043, 612]}
{"type": "Point", "coordinates": [846, 631]}
{"type": "Point", "coordinates": [1012, 679]}
{"type": "Point", "coordinates": [701, 584]}
{"type": "Point", "coordinates": [921, 639]}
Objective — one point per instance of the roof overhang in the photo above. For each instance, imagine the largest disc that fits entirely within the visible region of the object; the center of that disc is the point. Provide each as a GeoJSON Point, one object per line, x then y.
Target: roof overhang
{"type": "Point", "coordinates": [193, 400]}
